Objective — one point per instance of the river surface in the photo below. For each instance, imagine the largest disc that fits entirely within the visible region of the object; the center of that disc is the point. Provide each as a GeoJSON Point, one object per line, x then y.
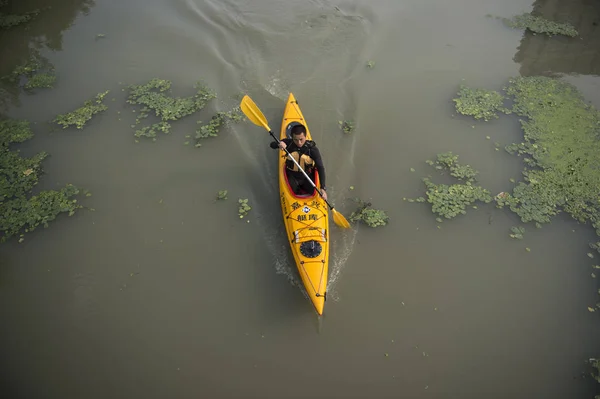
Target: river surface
{"type": "Point", "coordinates": [163, 292]}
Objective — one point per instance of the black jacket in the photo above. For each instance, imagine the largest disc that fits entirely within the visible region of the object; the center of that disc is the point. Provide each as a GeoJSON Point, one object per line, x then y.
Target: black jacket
{"type": "Point", "coordinates": [309, 148]}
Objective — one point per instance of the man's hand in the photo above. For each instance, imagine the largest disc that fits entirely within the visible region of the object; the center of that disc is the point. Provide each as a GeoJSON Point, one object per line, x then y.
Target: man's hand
{"type": "Point", "coordinates": [282, 145]}
{"type": "Point", "coordinates": [323, 194]}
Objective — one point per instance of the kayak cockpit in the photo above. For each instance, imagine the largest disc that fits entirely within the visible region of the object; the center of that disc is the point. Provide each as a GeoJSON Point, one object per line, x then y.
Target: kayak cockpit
{"type": "Point", "coordinates": [314, 177]}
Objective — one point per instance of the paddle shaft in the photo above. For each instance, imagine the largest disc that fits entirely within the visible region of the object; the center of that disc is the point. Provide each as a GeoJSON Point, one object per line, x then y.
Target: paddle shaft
{"type": "Point", "coordinates": [300, 169]}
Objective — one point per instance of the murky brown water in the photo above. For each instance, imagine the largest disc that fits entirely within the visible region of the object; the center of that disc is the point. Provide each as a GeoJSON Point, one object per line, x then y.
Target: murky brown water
{"type": "Point", "coordinates": [163, 293]}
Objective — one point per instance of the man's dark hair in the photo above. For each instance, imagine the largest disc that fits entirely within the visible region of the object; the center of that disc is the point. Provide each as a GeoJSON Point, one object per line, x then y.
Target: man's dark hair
{"type": "Point", "coordinates": [298, 129]}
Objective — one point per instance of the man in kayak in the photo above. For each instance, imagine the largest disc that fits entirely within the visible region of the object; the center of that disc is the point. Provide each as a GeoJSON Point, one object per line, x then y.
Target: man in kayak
{"type": "Point", "coordinates": [306, 153]}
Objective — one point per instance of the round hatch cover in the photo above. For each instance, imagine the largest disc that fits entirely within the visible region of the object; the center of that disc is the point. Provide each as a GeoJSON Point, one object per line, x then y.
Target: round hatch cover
{"type": "Point", "coordinates": [310, 249]}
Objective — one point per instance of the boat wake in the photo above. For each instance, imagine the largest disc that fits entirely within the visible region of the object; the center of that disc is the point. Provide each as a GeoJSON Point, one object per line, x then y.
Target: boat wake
{"type": "Point", "coordinates": [341, 248]}
{"type": "Point", "coordinates": [322, 33]}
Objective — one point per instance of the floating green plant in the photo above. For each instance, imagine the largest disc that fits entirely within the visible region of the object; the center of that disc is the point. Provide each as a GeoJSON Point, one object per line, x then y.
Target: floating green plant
{"type": "Point", "coordinates": [561, 148]}
{"type": "Point", "coordinates": [82, 115]}
{"type": "Point", "coordinates": [152, 97]}
{"type": "Point", "coordinates": [370, 64]}
{"type": "Point", "coordinates": [41, 80]}
{"type": "Point", "coordinates": [219, 120]}
{"type": "Point", "coordinates": [20, 212]}
{"type": "Point", "coordinates": [595, 364]}
{"type": "Point", "coordinates": [540, 25]}
{"type": "Point", "coordinates": [365, 213]}
{"type": "Point", "coordinates": [452, 200]}
{"type": "Point", "coordinates": [449, 161]}
{"type": "Point", "coordinates": [346, 126]}
{"type": "Point", "coordinates": [596, 246]}
{"type": "Point", "coordinates": [244, 208]}
{"type": "Point", "coordinates": [517, 232]}
{"type": "Point", "coordinates": [25, 69]}
{"type": "Point", "coordinates": [479, 103]}
{"type": "Point", "coordinates": [222, 195]}
{"type": "Point", "coordinates": [8, 21]}
{"type": "Point", "coordinates": [561, 151]}
{"type": "Point", "coordinates": [38, 72]}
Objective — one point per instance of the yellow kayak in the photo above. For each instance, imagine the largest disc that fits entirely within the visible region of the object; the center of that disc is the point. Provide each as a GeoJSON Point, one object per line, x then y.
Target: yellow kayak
{"type": "Point", "coordinates": [306, 219]}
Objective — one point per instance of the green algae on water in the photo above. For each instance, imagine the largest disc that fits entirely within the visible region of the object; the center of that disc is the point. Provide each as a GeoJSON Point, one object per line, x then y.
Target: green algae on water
{"type": "Point", "coordinates": [596, 246]}
{"type": "Point", "coordinates": [595, 364]}
{"type": "Point", "coordinates": [26, 69]}
{"type": "Point", "coordinates": [243, 208]}
{"type": "Point", "coordinates": [368, 215]}
{"type": "Point", "coordinates": [82, 115]}
{"type": "Point", "coordinates": [41, 80]}
{"type": "Point", "coordinates": [347, 126]}
{"type": "Point", "coordinates": [20, 212]}
{"type": "Point", "coordinates": [222, 195]}
{"type": "Point", "coordinates": [561, 147]}
{"type": "Point", "coordinates": [449, 161]}
{"type": "Point", "coordinates": [540, 25]}
{"type": "Point", "coordinates": [479, 103]}
{"type": "Point", "coordinates": [8, 21]}
{"type": "Point", "coordinates": [452, 200]}
{"type": "Point", "coordinates": [153, 97]}
{"type": "Point", "coordinates": [517, 232]}
{"type": "Point", "coordinates": [217, 122]}
{"type": "Point", "coordinates": [38, 72]}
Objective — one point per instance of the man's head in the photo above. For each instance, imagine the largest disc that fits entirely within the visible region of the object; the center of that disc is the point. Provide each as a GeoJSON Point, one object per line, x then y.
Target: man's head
{"type": "Point", "coordinates": [299, 135]}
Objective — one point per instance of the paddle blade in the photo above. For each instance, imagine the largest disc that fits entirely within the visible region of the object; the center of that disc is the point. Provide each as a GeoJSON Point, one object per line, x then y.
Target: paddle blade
{"type": "Point", "coordinates": [251, 110]}
{"type": "Point", "coordinates": [340, 220]}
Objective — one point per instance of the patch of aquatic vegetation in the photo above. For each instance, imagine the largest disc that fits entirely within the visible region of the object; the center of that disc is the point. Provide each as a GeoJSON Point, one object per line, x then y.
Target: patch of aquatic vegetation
{"type": "Point", "coordinates": [217, 122]}
{"type": "Point", "coordinates": [596, 246]}
{"type": "Point", "coordinates": [40, 81]}
{"type": "Point", "coordinates": [595, 364]}
{"type": "Point", "coordinates": [449, 161]}
{"type": "Point", "coordinates": [479, 103]}
{"type": "Point", "coordinates": [452, 200]}
{"type": "Point", "coordinates": [561, 150]}
{"type": "Point", "coordinates": [26, 69]}
{"type": "Point", "coordinates": [540, 25]}
{"type": "Point", "coordinates": [347, 126]}
{"type": "Point", "coordinates": [561, 147]}
{"type": "Point", "coordinates": [517, 232]}
{"type": "Point", "coordinates": [153, 97]}
{"type": "Point", "coordinates": [21, 212]}
{"type": "Point", "coordinates": [244, 208]}
{"type": "Point", "coordinates": [37, 72]}
{"type": "Point", "coordinates": [8, 21]}
{"type": "Point", "coordinates": [221, 195]}
{"type": "Point", "coordinates": [368, 215]}
{"type": "Point", "coordinates": [82, 115]}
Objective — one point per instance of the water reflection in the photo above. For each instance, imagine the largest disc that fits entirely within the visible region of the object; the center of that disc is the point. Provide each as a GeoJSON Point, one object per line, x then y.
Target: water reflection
{"type": "Point", "coordinates": [543, 55]}
{"type": "Point", "coordinates": [23, 43]}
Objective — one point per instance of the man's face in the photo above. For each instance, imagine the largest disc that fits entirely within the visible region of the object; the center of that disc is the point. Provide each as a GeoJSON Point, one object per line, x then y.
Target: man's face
{"type": "Point", "coordinates": [299, 139]}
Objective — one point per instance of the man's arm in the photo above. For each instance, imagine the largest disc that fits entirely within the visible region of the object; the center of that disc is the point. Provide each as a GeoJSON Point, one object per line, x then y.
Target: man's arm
{"type": "Point", "coordinates": [316, 156]}
{"type": "Point", "coordinates": [274, 144]}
